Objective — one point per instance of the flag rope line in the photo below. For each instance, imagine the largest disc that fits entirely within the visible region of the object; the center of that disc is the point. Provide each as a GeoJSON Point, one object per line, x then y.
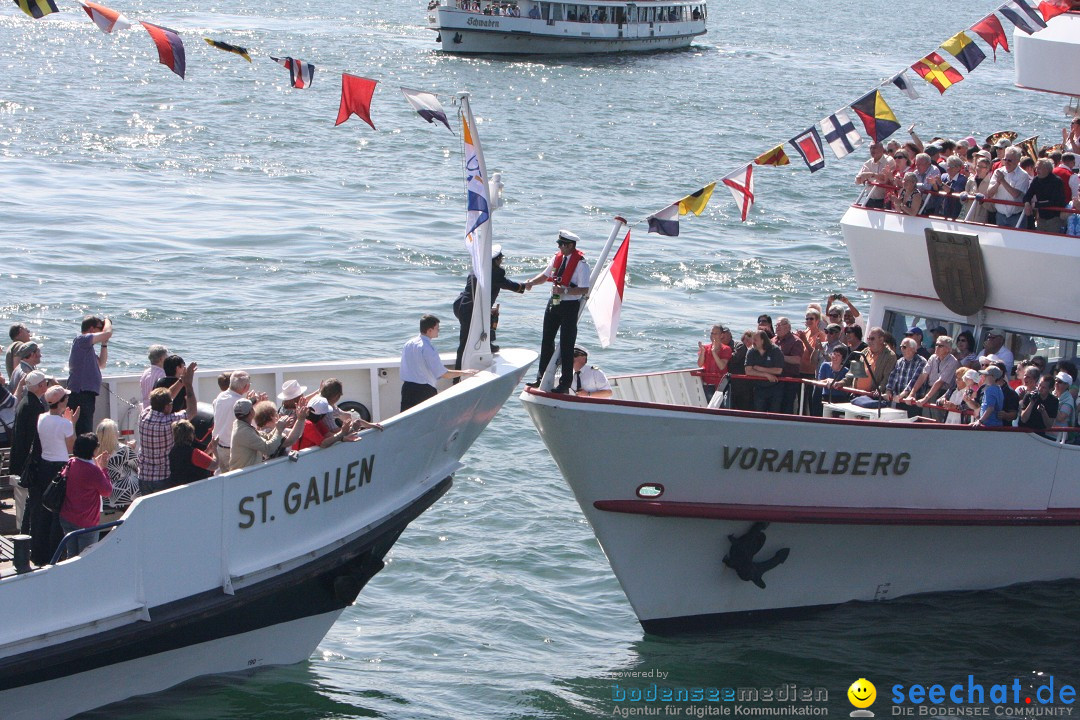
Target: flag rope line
{"type": "Point", "coordinates": [750, 197]}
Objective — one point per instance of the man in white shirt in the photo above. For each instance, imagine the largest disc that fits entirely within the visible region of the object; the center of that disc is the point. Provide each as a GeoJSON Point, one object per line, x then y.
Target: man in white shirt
{"type": "Point", "coordinates": [877, 170]}
{"type": "Point", "coordinates": [421, 366]}
{"type": "Point", "coordinates": [156, 355]}
{"type": "Point", "coordinates": [994, 344]}
{"type": "Point", "coordinates": [1009, 182]}
{"type": "Point", "coordinates": [239, 386]}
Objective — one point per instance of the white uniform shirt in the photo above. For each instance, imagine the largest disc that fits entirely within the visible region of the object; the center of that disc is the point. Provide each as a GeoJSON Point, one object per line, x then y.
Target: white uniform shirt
{"type": "Point", "coordinates": [591, 379]}
{"type": "Point", "coordinates": [580, 278]}
{"type": "Point", "coordinates": [224, 417]}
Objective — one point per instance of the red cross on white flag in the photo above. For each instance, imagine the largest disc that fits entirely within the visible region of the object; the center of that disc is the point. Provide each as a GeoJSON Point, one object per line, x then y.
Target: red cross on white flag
{"type": "Point", "coordinates": [741, 184]}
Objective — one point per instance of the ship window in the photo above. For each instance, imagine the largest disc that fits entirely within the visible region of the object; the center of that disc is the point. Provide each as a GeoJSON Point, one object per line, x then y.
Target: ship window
{"type": "Point", "coordinates": [1024, 346]}
{"type": "Point", "coordinates": [648, 491]}
{"type": "Point", "coordinates": [898, 322]}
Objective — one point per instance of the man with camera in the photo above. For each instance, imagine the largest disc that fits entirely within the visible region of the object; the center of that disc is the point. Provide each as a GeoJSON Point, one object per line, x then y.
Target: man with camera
{"type": "Point", "coordinates": [1038, 409]}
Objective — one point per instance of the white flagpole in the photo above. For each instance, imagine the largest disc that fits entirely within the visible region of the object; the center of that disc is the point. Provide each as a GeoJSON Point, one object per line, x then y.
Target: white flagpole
{"type": "Point", "coordinates": [477, 353]}
{"type": "Point", "coordinates": [618, 224]}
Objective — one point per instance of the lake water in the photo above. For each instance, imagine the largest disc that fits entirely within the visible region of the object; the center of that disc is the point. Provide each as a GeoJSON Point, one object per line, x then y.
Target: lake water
{"type": "Point", "coordinates": [227, 217]}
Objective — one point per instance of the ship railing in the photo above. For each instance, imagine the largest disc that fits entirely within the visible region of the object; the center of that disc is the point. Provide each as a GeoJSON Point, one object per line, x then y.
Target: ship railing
{"type": "Point", "coordinates": [61, 549]}
{"type": "Point", "coordinates": [683, 388]}
{"type": "Point", "coordinates": [671, 387]}
{"type": "Point", "coordinates": [977, 198]}
{"type": "Point", "coordinates": [807, 385]}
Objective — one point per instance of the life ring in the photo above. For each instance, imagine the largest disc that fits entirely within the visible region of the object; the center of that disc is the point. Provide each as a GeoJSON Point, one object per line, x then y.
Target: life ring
{"type": "Point", "coordinates": [358, 407]}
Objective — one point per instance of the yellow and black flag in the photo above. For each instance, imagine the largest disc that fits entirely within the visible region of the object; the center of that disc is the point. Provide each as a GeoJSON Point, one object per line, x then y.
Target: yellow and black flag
{"type": "Point", "coordinates": [234, 49]}
{"type": "Point", "coordinates": [695, 202]}
{"type": "Point", "coordinates": [37, 8]}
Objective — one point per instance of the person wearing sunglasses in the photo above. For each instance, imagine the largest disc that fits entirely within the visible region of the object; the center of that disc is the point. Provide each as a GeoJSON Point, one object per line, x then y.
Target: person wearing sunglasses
{"type": "Point", "coordinates": [569, 276]}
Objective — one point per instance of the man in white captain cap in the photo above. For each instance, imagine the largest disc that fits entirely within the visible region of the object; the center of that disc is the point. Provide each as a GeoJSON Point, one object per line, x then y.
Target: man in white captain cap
{"type": "Point", "coordinates": [463, 306]}
{"type": "Point", "coordinates": [569, 275]}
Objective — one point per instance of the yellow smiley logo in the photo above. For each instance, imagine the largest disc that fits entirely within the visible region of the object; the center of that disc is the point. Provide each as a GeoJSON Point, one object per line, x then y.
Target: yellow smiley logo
{"type": "Point", "coordinates": [862, 693]}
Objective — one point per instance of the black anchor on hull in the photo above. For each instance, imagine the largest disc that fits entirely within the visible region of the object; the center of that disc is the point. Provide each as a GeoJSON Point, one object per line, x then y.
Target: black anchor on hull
{"type": "Point", "coordinates": [740, 557]}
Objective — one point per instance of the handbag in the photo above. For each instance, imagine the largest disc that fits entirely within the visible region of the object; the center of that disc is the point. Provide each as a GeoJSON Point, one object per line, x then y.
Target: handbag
{"type": "Point", "coordinates": [56, 491]}
{"type": "Point", "coordinates": [28, 475]}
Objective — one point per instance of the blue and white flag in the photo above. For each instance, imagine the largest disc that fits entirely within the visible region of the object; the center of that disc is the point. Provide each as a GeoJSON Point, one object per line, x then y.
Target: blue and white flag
{"type": "Point", "coordinates": [477, 352]}
{"type": "Point", "coordinates": [841, 134]}
{"type": "Point", "coordinates": [478, 210]}
{"type": "Point", "coordinates": [1013, 11]}
{"type": "Point", "coordinates": [426, 105]}
{"type": "Point", "coordinates": [665, 222]}
{"type": "Point", "coordinates": [901, 82]}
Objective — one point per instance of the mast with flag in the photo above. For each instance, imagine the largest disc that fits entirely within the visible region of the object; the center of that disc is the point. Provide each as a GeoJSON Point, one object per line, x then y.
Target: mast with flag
{"type": "Point", "coordinates": [477, 353]}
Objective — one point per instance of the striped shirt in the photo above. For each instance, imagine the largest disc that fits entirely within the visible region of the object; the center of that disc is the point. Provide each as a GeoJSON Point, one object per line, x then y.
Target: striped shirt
{"type": "Point", "coordinates": [904, 374]}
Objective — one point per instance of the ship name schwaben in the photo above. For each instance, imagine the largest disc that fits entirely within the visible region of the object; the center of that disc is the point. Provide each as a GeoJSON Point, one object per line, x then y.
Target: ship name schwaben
{"type": "Point", "coordinates": [477, 22]}
{"type": "Point", "coordinates": [816, 462]}
{"type": "Point", "coordinates": [316, 491]}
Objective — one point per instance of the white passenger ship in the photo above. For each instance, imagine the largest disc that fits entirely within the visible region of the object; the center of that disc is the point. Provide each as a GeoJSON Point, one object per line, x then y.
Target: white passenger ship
{"type": "Point", "coordinates": [251, 567]}
{"type": "Point", "coordinates": [558, 27]}
{"type": "Point", "coordinates": [862, 507]}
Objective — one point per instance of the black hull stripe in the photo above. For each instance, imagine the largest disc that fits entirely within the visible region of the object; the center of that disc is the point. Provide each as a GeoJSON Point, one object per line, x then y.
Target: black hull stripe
{"type": "Point", "coordinates": [687, 624]}
{"type": "Point", "coordinates": [329, 583]}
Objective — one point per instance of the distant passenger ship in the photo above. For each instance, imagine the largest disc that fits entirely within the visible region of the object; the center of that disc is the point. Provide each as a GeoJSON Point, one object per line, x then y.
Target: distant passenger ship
{"type": "Point", "coordinates": [539, 27]}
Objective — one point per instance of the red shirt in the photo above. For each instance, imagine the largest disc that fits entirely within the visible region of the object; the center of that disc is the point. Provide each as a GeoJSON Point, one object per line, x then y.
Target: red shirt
{"type": "Point", "coordinates": [86, 485]}
{"type": "Point", "coordinates": [712, 374]}
{"type": "Point", "coordinates": [1063, 172]}
{"type": "Point", "coordinates": [312, 437]}
{"type": "Point", "coordinates": [792, 346]}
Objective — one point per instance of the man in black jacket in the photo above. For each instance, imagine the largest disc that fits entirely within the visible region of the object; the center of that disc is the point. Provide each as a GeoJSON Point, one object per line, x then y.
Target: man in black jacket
{"type": "Point", "coordinates": [463, 306]}
{"type": "Point", "coordinates": [1046, 191]}
{"type": "Point", "coordinates": [24, 444]}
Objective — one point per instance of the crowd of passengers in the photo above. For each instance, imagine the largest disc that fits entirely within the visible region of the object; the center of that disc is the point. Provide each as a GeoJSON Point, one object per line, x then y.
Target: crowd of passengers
{"type": "Point", "coordinates": [932, 376]}
{"type": "Point", "coordinates": [488, 8]}
{"type": "Point", "coordinates": [599, 14]}
{"type": "Point", "coordinates": [49, 428]}
{"type": "Point", "coordinates": [962, 179]}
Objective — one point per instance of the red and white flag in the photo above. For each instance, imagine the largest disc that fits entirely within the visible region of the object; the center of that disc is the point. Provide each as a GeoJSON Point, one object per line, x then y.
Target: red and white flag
{"type": "Point", "coordinates": [106, 19]}
{"type": "Point", "coordinates": [605, 301]}
{"type": "Point", "coordinates": [741, 184]}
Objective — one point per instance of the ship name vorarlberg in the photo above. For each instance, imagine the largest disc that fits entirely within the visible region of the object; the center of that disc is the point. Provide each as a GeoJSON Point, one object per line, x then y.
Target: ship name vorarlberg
{"type": "Point", "coordinates": [816, 462]}
{"type": "Point", "coordinates": [345, 481]}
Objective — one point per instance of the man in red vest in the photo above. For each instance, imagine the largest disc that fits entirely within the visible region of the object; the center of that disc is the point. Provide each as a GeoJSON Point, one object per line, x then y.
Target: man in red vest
{"type": "Point", "coordinates": [569, 274]}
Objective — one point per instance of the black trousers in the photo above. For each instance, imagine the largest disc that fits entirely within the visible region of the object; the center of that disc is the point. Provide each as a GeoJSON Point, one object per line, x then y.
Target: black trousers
{"type": "Point", "coordinates": [45, 530]}
{"type": "Point", "coordinates": [463, 312]}
{"type": "Point", "coordinates": [415, 393]}
{"type": "Point", "coordinates": [87, 401]}
{"type": "Point", "coordinates": [561, 319]}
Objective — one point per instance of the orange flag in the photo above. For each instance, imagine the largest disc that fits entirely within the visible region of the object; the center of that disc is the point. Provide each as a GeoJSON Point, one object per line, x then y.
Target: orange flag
{"type": "Point", "coordinates": [776, 156]}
